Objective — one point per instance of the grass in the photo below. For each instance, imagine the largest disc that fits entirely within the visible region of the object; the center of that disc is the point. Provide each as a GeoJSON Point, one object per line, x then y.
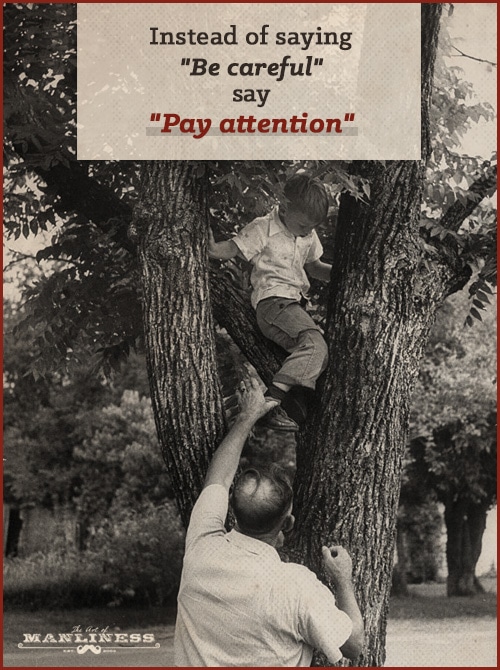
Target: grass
{"type": "Point", "coordinates": [154, 620]}
{"type": "Point", "coordinates": [426, 602]}
{"type": "Point", "coordinates": [429, 601]}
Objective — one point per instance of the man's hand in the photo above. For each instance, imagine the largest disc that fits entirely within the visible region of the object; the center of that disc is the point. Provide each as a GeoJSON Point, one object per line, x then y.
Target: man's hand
{"type": "Point", "coordinates": [253, 404]}
{"type": "Point", "coordinates": [338, 563]}
{"type": "Point", "coordinates": [225, 461]}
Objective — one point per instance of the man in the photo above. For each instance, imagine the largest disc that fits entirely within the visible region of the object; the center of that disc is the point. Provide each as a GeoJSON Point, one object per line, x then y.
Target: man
{"type": "Point", "coordinates": [238, 604]}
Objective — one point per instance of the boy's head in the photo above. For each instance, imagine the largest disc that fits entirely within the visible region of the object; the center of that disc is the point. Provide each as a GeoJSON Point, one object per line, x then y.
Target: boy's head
{"type": "Point", "coordinates": [305, 204]}
{"type": "Point", "coordinates": [262, 502]}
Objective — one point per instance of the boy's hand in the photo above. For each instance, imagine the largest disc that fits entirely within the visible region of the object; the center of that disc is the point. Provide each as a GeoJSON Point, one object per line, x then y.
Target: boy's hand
{"type": "Point", "coordinates": [338, 563]}
{"type": "Point", "coordinates": [252, 402]}
{"type": "Point", "coordinates": [222, 251]}
{"type": "Point", "coordinates": [212, 244]}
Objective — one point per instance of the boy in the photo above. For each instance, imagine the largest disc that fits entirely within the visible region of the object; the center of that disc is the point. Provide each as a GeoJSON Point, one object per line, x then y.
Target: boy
{"type": "Point", "coordinates": [282, 246]}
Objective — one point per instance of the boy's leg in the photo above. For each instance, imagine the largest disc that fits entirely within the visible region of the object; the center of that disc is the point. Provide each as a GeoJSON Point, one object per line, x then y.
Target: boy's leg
{"type": "Point", "coordinates": [285, 322]}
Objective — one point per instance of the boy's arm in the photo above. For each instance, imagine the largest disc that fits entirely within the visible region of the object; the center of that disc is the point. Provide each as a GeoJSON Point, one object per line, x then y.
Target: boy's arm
{"type": "Point", "coordinates": [319, 270]}
{"type": "Point", "coordinates": [221, 250]}
{"type": "Point", "coordinates": [226, 459]}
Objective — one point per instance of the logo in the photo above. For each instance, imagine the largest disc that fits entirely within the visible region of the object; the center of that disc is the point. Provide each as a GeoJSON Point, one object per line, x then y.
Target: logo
{"type": "Point", "coordinates": [89, 639]}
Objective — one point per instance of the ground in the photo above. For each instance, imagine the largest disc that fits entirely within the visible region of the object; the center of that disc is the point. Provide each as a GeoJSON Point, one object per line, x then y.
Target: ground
{"type": "Point", "coordinates": [425, 630]}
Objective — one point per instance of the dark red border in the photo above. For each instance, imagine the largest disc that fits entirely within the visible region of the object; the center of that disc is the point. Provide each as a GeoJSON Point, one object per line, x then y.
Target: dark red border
{"type": "Point", "coordinates": [1, 125]}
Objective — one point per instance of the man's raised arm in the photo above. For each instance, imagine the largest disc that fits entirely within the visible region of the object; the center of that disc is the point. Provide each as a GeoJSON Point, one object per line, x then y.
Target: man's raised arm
{"type": "Point", "coordinates": [253, 405]}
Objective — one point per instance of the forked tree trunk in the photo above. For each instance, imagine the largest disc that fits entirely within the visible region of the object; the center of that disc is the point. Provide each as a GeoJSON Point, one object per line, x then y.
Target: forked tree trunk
{"type": "Point", "coordinates": [382, 303]}
{"type": "Point", "coordinates": [187, 402]}
{"type": "Point", "coordinates": [465, 525]}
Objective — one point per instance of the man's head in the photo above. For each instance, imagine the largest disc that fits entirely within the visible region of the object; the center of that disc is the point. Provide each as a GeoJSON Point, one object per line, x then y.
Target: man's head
{"type": "Point", "coordinates": [262, 503]}
{"type": "Point", "coordinates": [305, 204]}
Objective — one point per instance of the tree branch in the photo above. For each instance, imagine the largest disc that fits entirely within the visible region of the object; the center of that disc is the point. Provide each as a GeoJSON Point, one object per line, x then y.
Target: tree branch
{"type": "Point", "coordinates": [480, 60]}
{"type": "Point", "coordinates": [457, 269]}
{"type": "Point", "coordinates": [79, 192]}
{"type": "Point", "coordinates": [233, 312]}
{"type": "Point", "coordinates": [431, 15]}
{"type": "Point", "coordinates": [20, 257]}
{"type": "Point", "coordinates": [458, 212]}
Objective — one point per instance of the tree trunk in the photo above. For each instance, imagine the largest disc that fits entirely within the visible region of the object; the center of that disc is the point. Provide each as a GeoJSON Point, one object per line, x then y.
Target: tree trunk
{"type": "Point", "coordinates": [465, 524]}
{"type": "Point", "coordinates": [169, 228]}
{"type": "Point", "coordinates": [376, 330]}
{"type": "Point", "coordinates": [399, 580]}
{"type": "Point", "coordinates": [381, 306]}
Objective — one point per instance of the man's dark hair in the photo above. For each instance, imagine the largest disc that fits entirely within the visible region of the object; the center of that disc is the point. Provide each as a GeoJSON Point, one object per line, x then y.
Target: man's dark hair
{"type": "Point", "coordinates": [261, 498]}
{"type": "Point", "coordinates": [308, 195]}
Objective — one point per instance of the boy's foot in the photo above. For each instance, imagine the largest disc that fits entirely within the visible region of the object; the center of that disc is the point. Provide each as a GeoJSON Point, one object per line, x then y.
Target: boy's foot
{"type": "Point", "coordinates": [277, 419]}
{"type": "Point", "coordinates": [294, 404]}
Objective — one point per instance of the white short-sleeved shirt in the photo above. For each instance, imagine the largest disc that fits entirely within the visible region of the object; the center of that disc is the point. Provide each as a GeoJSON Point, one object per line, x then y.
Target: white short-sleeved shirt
{"type": "Point", "coordinates": [240, 605]}
{"type": "Point", "coordinates": [278, 257]}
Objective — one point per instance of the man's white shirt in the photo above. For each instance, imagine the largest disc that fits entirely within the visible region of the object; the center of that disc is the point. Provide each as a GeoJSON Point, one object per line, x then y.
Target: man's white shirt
{"type": "Point", "coordinates": [240, 605]}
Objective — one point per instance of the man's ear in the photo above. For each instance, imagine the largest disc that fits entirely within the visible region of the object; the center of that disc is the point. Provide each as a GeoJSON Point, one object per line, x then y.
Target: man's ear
{"type": "Point", "coordinates": [288, 523]}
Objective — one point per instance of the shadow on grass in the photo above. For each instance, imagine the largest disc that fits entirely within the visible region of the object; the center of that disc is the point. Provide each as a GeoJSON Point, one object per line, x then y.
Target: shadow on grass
{"type": "Point", "coordinates": [429, 601]}
{"type": "Point", "coordinates": [426, 602]}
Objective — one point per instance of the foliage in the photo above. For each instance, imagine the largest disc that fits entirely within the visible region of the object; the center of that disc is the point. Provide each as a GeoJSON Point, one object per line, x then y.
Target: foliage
{"type": "Point", "coordinates": [141, 554]}
{"type": "Point", "coordinates": [118, 459]}
{"type": "Point", "coordinates": [54, 579]}
{"type": "Point", "coordinates": [450, 175]}
{"type": "Point", "coordinates": [83, 439]}
{"type": "Point", "coordinates": [39, 420]}
{"type": "Point", "coordinates": [458, 374]}
{"type": "Point", "coordinates": [455, 396]}
{"type": "Point", "coordinates": [456, 393]}
{"type": "Point", "coordinates": [89, 442]}
{"type": "Point", "coordinates": [125, 563]}
{"type": "Point", "coordinates": [421, 524]}
{"type": "Point", "coordinates": [100, 458]}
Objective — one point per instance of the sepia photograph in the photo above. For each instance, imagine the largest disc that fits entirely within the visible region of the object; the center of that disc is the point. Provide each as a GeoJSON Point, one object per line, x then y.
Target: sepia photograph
{"type": "Point", "coordinates": [249, 381]}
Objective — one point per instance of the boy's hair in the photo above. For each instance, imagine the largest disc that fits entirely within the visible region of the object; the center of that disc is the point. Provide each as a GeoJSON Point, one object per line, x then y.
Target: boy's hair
{"type": "Point", "coordinates": [261, 499]}
{"type": "Point", "coordinates": [308, 195]}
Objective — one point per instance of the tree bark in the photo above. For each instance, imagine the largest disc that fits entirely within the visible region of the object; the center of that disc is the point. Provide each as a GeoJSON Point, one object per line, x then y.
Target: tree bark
{"type": "Point", "coordinates": [169, 230]}
{"type": "Point", "coordinates": [376, 329]}
{"type": "Point", "coordinates": [381, 305]}
{"type": "Point", "coordinates": [465, 524]}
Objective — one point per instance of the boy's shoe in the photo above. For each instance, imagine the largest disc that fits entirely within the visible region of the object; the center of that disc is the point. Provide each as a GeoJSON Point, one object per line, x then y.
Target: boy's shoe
{"type": "Point", "coordinates": [294, 404]}
{"type": "Point", "coordinates": [278, 419]}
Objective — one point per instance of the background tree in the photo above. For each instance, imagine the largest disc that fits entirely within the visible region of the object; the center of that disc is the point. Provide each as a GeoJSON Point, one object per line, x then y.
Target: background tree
{"type": "Point", "coordinates": [391, 273]}
{"type": "Point", "coordinates": [418, 538]}
{"type": "Point", "coordinates": [452, 454]}
{"type": "Point", "coordinates": [454, 433]}
{"type": "Point", "coordinates": [81, 442]}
